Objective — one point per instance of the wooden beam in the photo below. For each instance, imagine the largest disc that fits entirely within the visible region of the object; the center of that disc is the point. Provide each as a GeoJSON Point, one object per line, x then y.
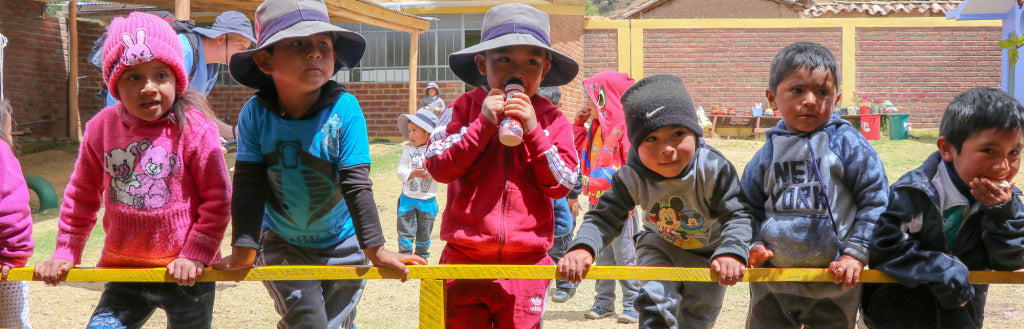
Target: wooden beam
{"type": "Point", "coordinates": [414, 57]}
{"type": "Point", "coordinates": [366, 13]}
{"type": "Point", "coordinates": [339, 10]}
{"type": "Point", "coordinates": [181, 9]}
{"type": "Point", "coordinates": [74, 117]}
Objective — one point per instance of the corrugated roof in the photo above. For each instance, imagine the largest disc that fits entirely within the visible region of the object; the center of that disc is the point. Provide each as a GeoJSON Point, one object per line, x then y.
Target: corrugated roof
{"type": "Point", "coordinates": [646, 5]}
{"type": "Point", "coordinates": [881, 8]}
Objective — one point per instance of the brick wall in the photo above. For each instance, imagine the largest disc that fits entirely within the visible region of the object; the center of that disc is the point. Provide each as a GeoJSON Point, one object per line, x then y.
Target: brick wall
{"type": "Point", "coordinates": [383, 102]}
{"type": "Point", "coordinates": [918, 69]}
{"type": "Point", "coordinates": [725, 67]}
{"type": "Point", "coordinates": [567, 37]}
{"type": "Point", "coordinates": [921, 69]}
{"type": "Point", "coordinates": [35, 70]}
{"type": "Point", "coordinates": [90, 79]}
{"type": "Point", "coordinates": [602, 51]}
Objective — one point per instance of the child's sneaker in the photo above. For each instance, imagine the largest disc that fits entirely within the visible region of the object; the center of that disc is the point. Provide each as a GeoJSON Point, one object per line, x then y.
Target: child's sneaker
{"type": "Point", "coordinates": [562, 295]}
{"type": "Point", "coordinates": [628, 316]}
{"type": "Point", "coordinates": [598, 313]}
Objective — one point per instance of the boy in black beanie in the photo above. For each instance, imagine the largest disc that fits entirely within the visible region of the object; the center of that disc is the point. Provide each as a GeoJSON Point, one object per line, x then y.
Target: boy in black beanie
{"type": "Point", "coordinates": [696, 212]}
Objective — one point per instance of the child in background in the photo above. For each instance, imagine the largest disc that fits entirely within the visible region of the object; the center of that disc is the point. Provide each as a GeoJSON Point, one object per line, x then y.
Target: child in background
{"type": "Point", "coordinates": [417, 205]}
{"type": "Point", "coordinates": [153, 162]}
{"type": "Point", "coordinates": [566, 210]}
{"type": "Point", "coordinates": [698, 214]}
{"type": "Point", "coordinates": [303, 165]}
{"type": "Point", "coordinates": [603, 149]}
{"type": "Point", "coordinates": [957, 212]}
{"type": "Point", "coordinates": [499, 207]}
{"type": "Point", "coordinates": [432, 102]}
{"type": "Point", "coordinates": [816, 188]}
{"type": "Point", "coordinates": [15, 228]}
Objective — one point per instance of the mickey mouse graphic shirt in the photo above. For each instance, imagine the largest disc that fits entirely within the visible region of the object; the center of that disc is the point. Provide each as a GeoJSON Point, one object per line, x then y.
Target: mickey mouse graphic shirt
{"type": "Point", "coordinates": [702, 210]}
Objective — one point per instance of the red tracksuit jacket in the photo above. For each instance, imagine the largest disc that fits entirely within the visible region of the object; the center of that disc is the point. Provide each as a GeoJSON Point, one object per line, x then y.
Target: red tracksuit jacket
{"type": "Point", "coordinates": [499, 198]}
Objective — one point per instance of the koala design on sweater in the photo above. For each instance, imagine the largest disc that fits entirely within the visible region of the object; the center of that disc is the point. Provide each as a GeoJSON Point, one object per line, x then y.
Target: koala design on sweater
{"type": "Point", "coordinates": [120, 165]}
{"type": "Point", "coordinates": [156, 164]}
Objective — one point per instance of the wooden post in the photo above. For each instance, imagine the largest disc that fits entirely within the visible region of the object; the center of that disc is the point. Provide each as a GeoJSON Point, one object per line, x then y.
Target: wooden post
{"type": "Point", "coordinates": [181, 9]}
{"type": "Point", "coordinates": [432, 304]}
{"type": "Point", "coordinates": [74, 130]}
{"type": "Point", "coordinates": [414, 57]}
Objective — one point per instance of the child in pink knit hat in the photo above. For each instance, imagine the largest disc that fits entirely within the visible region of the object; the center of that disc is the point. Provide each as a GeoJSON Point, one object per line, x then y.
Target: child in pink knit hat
{"type": "Point", "coordinates": [153, 161]}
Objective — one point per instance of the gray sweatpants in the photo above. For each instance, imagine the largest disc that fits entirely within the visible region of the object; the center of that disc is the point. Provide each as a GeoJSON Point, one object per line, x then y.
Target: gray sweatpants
{"type": "Point", "coordinates": [414, 227]}
{"type": "Point", "coordinates": [675, 304]}
{"type": "Point", "coordinates": [794, 304]}
{"type": "Point", "coordinates": [620, 252]}
{"type": "Point", "coordinates": [313, 304]}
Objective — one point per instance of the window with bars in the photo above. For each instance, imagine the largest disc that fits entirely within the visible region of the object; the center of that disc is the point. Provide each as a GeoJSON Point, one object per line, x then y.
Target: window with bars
{"type": "Point", "coordinates": [387, 51]}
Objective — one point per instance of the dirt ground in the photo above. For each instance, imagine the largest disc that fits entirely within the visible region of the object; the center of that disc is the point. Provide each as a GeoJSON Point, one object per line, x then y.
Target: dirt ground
{"type": "Point", "coordinates": [385, 303]}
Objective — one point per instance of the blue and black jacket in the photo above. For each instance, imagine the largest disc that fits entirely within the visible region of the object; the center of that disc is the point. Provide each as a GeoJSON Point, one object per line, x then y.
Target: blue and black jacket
{"type": "Point", "coordinates": [909, 245]}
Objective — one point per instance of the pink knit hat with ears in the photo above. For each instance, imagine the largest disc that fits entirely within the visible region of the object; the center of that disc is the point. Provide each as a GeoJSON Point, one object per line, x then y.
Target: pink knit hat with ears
{"type": "Point", "coordinates": [138, 39]}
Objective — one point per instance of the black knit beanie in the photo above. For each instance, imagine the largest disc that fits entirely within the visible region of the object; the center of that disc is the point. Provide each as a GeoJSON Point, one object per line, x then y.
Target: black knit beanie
{"type": "Point", "coordinates": [658, 101]}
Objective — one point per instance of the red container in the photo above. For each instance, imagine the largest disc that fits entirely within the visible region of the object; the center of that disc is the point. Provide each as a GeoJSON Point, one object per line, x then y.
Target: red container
{"type": "Point", "coordinates": [871, 126]}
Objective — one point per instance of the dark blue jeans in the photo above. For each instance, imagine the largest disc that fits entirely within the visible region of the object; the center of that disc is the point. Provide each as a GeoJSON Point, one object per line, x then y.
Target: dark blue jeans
{"type": "Point", "coordinates": [130, 304]}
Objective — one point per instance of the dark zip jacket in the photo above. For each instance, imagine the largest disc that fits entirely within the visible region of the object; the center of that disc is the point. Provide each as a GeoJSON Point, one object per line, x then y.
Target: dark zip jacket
{"type": "Point", "coordinates": [909, 245]}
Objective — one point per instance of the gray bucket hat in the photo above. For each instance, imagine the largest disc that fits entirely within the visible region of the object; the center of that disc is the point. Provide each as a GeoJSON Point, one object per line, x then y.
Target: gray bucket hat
{"type": "Point", "coordinates": [281, 19]}
{"type": "Point", "coordinates": [423, 118]}
{"type": "Point", "coordinates": [508, 25]}
{"type": "Point", "coordinates": [228, 22]}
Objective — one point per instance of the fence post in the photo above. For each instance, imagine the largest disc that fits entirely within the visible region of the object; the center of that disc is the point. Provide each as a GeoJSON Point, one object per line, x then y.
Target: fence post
{"type": "Point", "coordinates": [432, 296]}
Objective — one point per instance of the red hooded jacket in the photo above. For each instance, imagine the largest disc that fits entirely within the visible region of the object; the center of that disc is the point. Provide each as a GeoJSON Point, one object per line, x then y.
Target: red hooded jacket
{"type": "Point", "coordinates": [603, 149]}
{"type": "Point", "coordinates": [498, 207]}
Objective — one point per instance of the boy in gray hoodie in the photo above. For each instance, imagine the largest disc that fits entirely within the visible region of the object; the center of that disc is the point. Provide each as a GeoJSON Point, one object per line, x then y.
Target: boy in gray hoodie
{"type": "Point", "coordinates": [816, 188]}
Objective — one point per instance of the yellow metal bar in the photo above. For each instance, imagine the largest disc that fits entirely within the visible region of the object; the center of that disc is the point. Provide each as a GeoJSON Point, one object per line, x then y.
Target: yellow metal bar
{"type": "Point", "coordinates": [440, 272]}
{"type": "Point", "coordinates": [432, 294]}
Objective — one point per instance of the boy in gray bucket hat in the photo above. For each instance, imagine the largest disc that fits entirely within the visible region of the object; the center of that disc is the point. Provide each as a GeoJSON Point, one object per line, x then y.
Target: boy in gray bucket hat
{"type": "Point", "coordinates": [302, 187]}
{"type": "Point", "coordinates": [206, 50]}
{"type": "Point", "coordinates": [499, 204]}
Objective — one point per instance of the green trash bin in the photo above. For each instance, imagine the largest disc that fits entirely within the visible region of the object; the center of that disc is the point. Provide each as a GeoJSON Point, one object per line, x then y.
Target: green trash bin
{"type": "Point", "coordinates": [898, 124]}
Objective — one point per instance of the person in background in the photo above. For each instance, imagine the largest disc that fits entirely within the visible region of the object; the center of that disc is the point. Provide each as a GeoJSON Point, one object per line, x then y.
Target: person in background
{"type": "Point", "coordinates": [417, 206]}
{"type": "Point", "coordinates": [566, 209]}
{"type": "Point", "coordinates": [603, 148]}
{"type": "Point", "coordinates": [432, 102]}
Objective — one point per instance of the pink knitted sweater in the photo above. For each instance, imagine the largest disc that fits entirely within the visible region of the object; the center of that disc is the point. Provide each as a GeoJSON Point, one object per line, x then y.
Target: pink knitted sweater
{"type": "Point", "coordinates": [165, 190]}
{"type": "Point", "coordinates": [15, 216]}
